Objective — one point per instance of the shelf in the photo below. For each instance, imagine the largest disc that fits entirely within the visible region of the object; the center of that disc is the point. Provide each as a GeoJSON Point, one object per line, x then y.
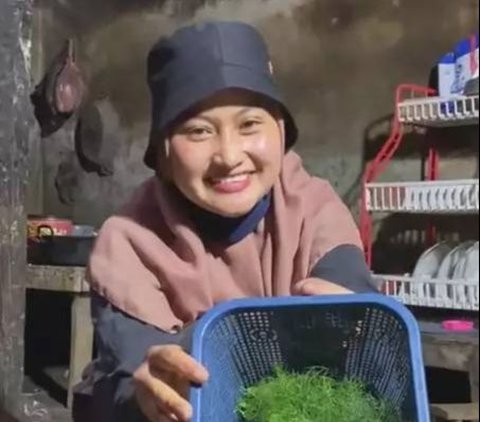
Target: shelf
{"type": "Point", "coordinates": [38, 405]}
{"type": "Point", "coordinates": [431, 292]}
{"type": "Point", "coordinates": [439, 112]}
{"type": "Point", "coordinates": [59, 375]}
{"type": "Point", "coordinates": [59, 279]}
{"type": "Point", "coordinates": [441, 196]}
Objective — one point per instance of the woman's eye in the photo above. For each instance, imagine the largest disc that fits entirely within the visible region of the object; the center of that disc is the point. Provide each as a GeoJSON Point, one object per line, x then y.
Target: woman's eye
{"type": "Point", "coordinates": [250, 124]}
{"type": "Point", "coordinates": [199, 131]}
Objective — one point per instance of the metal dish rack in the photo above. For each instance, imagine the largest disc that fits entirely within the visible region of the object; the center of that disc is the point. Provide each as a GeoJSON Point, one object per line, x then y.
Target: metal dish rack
{"type": "Point", "coordinates": [425, 291]}
{"type": "Point", "coordinates": [440, 196]}
{"type": "Point", "coordinates": [419, 106]}
{"type": "Point", "coordinates": [439, 112]}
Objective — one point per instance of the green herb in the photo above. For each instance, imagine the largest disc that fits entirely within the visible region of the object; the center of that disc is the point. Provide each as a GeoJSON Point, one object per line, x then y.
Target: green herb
{"type": "Point", "coordinates": [311, 397]}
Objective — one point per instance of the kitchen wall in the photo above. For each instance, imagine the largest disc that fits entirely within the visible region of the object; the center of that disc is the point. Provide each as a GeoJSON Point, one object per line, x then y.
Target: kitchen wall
{"type": "Point", "coordinates": [338, 61]}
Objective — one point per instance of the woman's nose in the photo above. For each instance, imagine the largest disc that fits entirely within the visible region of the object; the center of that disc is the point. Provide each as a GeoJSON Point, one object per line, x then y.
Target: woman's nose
{"type": "Point", "coordinates": [229, 151]}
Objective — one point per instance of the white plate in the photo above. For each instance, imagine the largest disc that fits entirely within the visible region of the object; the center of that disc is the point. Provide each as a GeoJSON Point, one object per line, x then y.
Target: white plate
{"type": "Point", "coordinates": [448, 266]}
{"type": "Point", "coordinates": [460, 267]}
{"type": "Point", "coordinates": [472, 273]}
{"type": "Point", "coordinates": [427, 266]}
{"type": "Point", "coordinates": [466, 268]}
{"type": "Point", "coordinates": [449, 263]}
{"type": "Point", "coordinates": [471, 263]}
{"type": "Point", "coordinates": [429, 262]}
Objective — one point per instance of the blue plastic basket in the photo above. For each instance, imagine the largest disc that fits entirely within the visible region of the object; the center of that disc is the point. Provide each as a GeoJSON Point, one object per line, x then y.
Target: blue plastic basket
{"type": "Point", "coordinates": [371, 338]}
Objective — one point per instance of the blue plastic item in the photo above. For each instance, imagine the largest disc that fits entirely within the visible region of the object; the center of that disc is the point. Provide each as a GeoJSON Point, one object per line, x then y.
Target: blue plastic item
{"type": "Point", "coordinates": [368, 337]}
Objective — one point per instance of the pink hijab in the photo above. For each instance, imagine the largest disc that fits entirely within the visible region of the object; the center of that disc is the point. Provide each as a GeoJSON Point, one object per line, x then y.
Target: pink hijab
{"type": "Point", "coordinates": [149, 261]}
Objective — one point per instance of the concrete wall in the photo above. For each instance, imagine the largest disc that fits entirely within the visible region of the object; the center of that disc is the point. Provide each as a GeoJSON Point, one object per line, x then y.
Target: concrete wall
{"type": "Point", "coordinates": [337, 60]}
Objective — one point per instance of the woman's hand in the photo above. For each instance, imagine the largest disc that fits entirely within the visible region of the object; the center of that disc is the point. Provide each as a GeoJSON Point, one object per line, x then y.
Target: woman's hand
{"type": "Point", "coordinates": [162, 383]}
{"type": "Point", "coordinates": [316, 287]}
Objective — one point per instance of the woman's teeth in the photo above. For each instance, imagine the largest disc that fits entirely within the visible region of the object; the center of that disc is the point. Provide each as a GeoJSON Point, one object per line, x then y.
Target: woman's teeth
{"type": "Point", "coordinates": [231, 179]}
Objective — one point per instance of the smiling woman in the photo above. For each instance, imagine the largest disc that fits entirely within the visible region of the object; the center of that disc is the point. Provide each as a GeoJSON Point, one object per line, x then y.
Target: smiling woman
{"type": "Point", "coordinates": [229, 155]}
{"type": "Point", "coordinates": [230, 213]}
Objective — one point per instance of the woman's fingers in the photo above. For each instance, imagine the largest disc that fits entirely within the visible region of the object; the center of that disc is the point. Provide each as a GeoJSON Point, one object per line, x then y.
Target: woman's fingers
{"type": "Point", "coordinates": [158, 400]}
{"type": "Point", "coordinates": [163, 378]}
{"type": "Point", "coordinates": [169, 401]}
{"type": "Point", "coordinates": [173, 359]}
{"type": "Point", "coordinates": [149, 407]}
{"type": "Point", "coordinates": [317, 287]}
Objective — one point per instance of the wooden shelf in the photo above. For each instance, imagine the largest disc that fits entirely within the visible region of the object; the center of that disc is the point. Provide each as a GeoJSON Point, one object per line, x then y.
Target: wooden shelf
{"type": "Point", "coordinates": [59, 279]}
{"type": "Point", "coordinates": [455, 412]}
{"type": "Point", "coordinates": [39, 405]}
{"type": "Point", "coordinates": [59, 375]}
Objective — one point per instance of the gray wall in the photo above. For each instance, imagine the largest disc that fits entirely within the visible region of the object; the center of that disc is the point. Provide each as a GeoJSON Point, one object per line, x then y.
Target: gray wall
{"type": "Point", "coordinates": [338, 61]}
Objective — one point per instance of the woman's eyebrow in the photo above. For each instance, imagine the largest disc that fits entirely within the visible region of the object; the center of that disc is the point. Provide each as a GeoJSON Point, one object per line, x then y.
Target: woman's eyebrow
{"type": "Point", "coordinates": [202, 116]}
{"type": "Point", "coordinates": [213, 119]}
{"type": "Point", "coordinates": [245, 110]}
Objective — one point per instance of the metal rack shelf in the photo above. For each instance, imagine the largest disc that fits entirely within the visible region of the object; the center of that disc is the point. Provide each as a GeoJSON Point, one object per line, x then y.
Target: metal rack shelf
{"type": "Point", "coordinates": [440, 196]}
{"type": "Point", "coordinates": [438, 111]}
{"type": "Point", "coordinates": [431, 292]}
{"type": "Point", "coordinates": [419, 105]}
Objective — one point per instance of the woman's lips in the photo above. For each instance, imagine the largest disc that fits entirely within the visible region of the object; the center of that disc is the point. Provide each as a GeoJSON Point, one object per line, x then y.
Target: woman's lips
{"type": "Point", "coordinates": [231, 184]}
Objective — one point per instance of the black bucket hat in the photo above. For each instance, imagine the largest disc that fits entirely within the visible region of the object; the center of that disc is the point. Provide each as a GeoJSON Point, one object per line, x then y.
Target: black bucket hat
{"type": "Point", "coordinates": [199, 61]}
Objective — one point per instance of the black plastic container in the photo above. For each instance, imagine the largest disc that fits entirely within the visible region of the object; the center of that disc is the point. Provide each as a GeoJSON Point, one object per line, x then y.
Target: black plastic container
{"type": "Point", "coordinates": [60, 250]}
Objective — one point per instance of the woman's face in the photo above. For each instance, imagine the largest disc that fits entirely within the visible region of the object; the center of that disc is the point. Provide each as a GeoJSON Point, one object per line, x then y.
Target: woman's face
{"type": "Point", "coordinates": [228, 155]}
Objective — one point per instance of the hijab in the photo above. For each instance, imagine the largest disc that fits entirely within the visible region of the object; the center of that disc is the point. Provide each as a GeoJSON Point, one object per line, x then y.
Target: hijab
{"type": "Point", "coordinates": [152, 262]}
